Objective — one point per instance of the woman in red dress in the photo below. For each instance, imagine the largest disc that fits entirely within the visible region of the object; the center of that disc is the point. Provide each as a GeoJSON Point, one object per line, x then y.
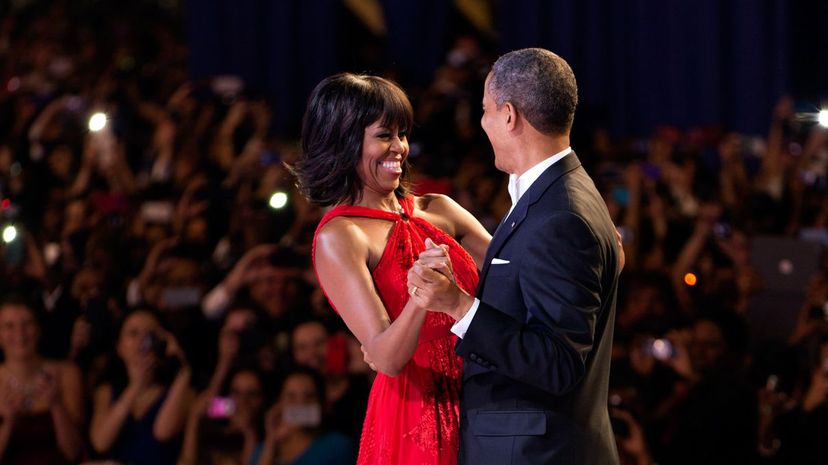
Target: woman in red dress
{"type": "Point", "coordinates": [355, 149]}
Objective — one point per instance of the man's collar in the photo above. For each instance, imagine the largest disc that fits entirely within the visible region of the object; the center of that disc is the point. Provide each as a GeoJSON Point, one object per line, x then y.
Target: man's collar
{"type": "Point", "coordinates": [518, 185]}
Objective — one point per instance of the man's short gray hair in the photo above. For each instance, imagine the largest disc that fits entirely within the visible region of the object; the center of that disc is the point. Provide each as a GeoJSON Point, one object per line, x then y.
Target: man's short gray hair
{"type": "Point", "coordinates": [540, 84]}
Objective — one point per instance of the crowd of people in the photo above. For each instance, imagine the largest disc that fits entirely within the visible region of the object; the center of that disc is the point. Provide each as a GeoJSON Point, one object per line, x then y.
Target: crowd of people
{"type": "Point", "coordinates": [159, 304]}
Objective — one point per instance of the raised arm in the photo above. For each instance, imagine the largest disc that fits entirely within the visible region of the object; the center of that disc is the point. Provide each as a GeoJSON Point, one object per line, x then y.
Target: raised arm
{"type": "Point", "coordinates": [341, 262]}
{"type": "Point", "coordinates": [172, 416]}
{"type": "Point", "coordinates": [108, 418]}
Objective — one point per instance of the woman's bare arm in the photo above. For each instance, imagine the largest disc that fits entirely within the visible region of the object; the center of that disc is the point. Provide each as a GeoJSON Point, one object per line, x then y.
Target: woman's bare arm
{"type": "Point", "coordinates": [341, 261]}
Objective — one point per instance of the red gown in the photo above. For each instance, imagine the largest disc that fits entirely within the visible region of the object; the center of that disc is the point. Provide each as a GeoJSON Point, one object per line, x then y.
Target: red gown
{"type": "Point", "coordinates": [412, 419]}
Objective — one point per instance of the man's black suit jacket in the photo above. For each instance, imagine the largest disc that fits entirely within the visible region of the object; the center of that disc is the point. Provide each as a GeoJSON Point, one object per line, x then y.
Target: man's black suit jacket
{"type": "Point", "coordinates": [537, 353]}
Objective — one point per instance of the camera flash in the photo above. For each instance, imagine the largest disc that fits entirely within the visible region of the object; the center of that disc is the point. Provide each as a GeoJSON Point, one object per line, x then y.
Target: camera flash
{"type": "Point", "coordinates": [9, 233]}
{"type": "Point", "coordinates": [822, 118]}
{"type": "Point", "coordinates": [278, 200]}
{"type": "Point", "coordinates": [97, 122]}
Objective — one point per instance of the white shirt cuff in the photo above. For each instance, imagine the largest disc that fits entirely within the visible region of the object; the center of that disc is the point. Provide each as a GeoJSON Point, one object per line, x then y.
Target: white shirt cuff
{"type": "Point", "coordinates": [462, 325]}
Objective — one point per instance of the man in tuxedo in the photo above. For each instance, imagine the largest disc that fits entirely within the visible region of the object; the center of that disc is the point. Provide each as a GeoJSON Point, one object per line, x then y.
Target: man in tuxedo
{"type": "Point", "coordinates": [536, 340]}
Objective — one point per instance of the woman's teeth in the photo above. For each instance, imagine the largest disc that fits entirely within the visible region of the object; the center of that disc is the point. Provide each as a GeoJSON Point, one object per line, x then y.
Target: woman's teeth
{"type": "Point", "coordinates": [393, 166]}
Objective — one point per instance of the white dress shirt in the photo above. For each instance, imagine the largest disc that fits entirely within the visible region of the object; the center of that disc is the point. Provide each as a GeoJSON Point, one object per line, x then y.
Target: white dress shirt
{"type": "Point", "coordinates": [518, 185]}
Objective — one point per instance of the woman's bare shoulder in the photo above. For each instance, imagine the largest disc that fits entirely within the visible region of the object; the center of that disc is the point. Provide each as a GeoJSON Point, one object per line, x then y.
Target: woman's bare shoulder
{"type": "Point", "coordinates": [442, 206]}
{"type": "Point", "coordinates": [340, 234]}
{"type": "Point", "coordinates": [435, 203]}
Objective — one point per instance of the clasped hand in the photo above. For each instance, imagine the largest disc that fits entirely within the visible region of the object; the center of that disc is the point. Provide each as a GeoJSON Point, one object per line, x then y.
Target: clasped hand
{"type": "Point", "coordinates": [432, 285]}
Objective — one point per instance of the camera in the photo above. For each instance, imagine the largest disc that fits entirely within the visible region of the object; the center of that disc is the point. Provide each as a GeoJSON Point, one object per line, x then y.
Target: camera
{"type": "Point", "coordinates": [228, 87]}
{"type": "Point", "coordinates": [220, 407]}
{"type": "Point", "coordinates": [157, 212]}
{"type": "Point", "coordinates": [152, 343]}
{"type": "Point", "coordinates": [307, 416]}
{"type": "Point", "coordinates": [180, 297]}
{"type": "Point", "coordinates": [659, 349]}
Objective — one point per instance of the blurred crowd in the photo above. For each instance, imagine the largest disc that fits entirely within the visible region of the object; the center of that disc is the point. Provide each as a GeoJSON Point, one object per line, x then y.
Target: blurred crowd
{"type": "Point", "coordinates": [159, 304]}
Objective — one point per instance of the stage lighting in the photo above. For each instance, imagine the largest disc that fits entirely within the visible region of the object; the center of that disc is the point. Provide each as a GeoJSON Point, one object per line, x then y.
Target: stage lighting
{"type": "Point", "coordinates": [278, 200]}
{"type": "Point", "coordinates": [9, 234]}
{"type": "Point", "coordinates": [97, 122]}
{"type": "Point", "coordinates": [822, 118]}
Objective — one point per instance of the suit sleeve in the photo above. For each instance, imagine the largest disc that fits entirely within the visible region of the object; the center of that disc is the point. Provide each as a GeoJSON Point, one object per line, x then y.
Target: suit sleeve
{"type": "Point", "coordinates": [560, 281]}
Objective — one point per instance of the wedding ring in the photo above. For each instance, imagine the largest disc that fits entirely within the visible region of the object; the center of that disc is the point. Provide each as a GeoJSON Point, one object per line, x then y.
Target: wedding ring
{"type": "Point", "coordinates": [414, 290]}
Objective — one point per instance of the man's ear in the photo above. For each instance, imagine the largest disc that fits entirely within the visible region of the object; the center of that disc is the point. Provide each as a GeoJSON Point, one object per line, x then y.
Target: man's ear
{"type": "Point", "coordinates": [510, 114]}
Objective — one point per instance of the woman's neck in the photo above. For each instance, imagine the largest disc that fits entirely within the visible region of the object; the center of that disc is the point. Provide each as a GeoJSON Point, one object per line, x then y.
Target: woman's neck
{"type": "Point", "coordinates": [24, 368]}
{"type": "Point", "coordinates": [388, 202]}
{"type": "Point", "coordinates": [295, 445]}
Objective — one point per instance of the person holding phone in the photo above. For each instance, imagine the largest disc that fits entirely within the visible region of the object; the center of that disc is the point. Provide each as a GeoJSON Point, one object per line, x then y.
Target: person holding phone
{"type": "Point", "coordinates": [225, 429]}
{"type": "Point", "coordinates": [139, 412]}
{"type": "Point", "coordinates": [294, 426]}
{"type": "Point", "coordinates": [347, 393]}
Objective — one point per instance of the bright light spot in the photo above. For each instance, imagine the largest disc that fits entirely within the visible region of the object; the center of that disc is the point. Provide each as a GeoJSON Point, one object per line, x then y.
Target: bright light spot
{"type": "Point", "coordinates": [822, 118]}
{"type": "Point", "coordinates": [278, 200]}
{"type": "Point", "coordinates": [690, 279]}
{"type": "Point", "coordinates": [659, 345]}
{"type": "Point", "coordinates": [786, 267]}
{"type": "Point", "coordinates": [9, 233]}
{"type": "Point", "coordinates": [662, 349]}
{"type": "Point", "coordinates": [97, 122]}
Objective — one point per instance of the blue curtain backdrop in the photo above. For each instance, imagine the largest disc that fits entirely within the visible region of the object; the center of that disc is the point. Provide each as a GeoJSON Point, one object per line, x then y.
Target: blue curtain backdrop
{"type": "Point", "coordinates": [644, 62]}
{"type": "Point", "coordinates": [639, 63]}
{"type": "Point", "coordinates": [280, 48]}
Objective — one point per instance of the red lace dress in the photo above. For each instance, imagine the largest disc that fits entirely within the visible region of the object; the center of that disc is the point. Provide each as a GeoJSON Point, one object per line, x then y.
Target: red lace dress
{"type": "Point", "coordinates": [412, 419]}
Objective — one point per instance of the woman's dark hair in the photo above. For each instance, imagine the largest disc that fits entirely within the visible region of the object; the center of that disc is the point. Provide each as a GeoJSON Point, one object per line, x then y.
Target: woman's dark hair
{"type": "Point", "coordinates": [315, 376]}
{"type": "Point", "coordinates": [339, 109]}
{"type": "Point", "coordinates": [19, 300]}
{"type": "Point", "coordinates": [115, 372]}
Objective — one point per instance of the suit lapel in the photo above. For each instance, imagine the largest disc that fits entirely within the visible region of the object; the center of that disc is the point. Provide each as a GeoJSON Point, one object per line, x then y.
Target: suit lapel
{"type": "Point", "coordinates": [518, 214]}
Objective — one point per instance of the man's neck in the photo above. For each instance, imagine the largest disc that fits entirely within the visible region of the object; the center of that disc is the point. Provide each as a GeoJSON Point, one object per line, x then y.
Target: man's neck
{"type": "Point", "coordinates": [538, 149]}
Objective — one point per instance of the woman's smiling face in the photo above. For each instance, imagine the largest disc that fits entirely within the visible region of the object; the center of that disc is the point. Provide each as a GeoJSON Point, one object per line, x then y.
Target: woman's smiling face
{"type": "Point", "coordinates": [383, 151]}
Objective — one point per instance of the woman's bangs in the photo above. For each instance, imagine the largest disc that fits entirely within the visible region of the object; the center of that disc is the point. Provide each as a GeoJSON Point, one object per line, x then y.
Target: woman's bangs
{"type": "Point", "coordinates": [397, 111]}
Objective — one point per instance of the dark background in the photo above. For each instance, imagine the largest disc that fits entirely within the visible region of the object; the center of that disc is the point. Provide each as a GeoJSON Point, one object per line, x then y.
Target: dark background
{"type": "Point", "coordinates": [639, 63]}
